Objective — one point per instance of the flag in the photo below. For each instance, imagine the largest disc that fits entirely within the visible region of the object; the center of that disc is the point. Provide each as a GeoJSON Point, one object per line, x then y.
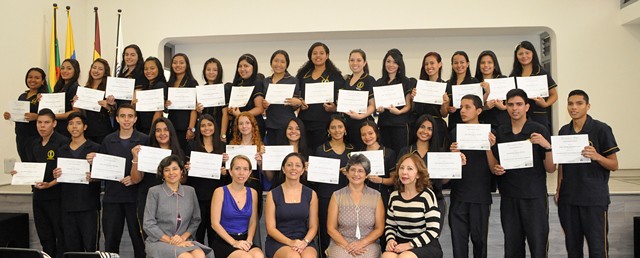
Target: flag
{"type": "Point", "coordinates": [96, 41]}
{"type": "Point", "coordinates": [54, 55]}
{"type": "Point", "coordinates": [119, 46]}
{"type": "Point", "coordinates": [70, 50]}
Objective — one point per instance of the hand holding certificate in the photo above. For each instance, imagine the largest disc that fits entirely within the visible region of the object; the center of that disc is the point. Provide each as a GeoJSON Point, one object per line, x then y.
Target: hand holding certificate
{"type": "Point", "coordinates": [324, 170]}
{"type": "Point", "coordinates": [277, 93]}
{"type": "Point", "coordinates": [391, 95]}
{"type": "Point", "coordinates": [444, 165]}
{"type": "Point", "coordinates": [352, 100]}
{"type": "Point", "coordinates": [515, 155]}
{"type": "Point", "coordinates": [499, 87]}
{"type": "Point", "coordinates": [28, 173]}
{"type": "Point", "coordinates": [460, 91]}
{"type": "Point", "coordinates": [53, 101]}
{"type": "Point", "coordinates": [567, 149]}
{"type": "Point", "coordinates": [149, 158]}
{"type": "Point", "coordinates": [88, 99]}
{"type": "Point", "coordinates": [150, 100]}
{"type": "Point", "coordinates": [18, 109]}
{"type": "Point", "coordinates": [430, 92]}
{"type": "Point", "coordinates": [473, 136]}
{"type": "Point", "coordinates": [182, 98]}
{"type": "Point", "coordinates": [534, 86]}
{"type": "Point", "coordinates": [210, 95]}
{"type": "Point", "coordinates": [108, 167]}
{"type": "Point", "coordinates": [247, 150]}
{"type": "Point", "coordinates": [376, 158]}
{"type": "Point", "coordinates": [274, 155]}
{"type": "Point", "coordinates": [73, 171]}
{"type": "Point", "coordinates": [120, 88]}
{"type": "Point", "coordinates": [240, 96]}
{"type": "Point", "coordinates": [205, 165]}
{"type": "Point", "coordinates": [319, 92]}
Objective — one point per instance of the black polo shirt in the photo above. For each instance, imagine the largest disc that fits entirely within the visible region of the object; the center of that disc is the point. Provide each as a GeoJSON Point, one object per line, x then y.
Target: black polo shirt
{"type": "Point", "coordinates": [79, 197]}
{"type": "Point", "coordinates": [454, 118]}
{"type": "Point", "coordinates": [278, 115]}
{"type": "Point", "coordinates": [145, 118]}
{"type": "Point", "coordinates": [48, 154]}
{"type": "Point", "coordinates": [495, 116]}
{"type": "Point", "coordinates": [28, 129]}
{"type": "Point", "coordinates": [69, 94]}
{"type": "Point", "coordinates": [475, 184]}
{"type": "Point", "coordinates": [435, 183]}
{"type": "Point", "coordinates": [204, 186]}
{"type": "Point", "coordinates": [525, 183]}
{"type": "Point", "coordinates": [316, 112]}
{"type": "Point", "coordinates": [420, 109]}
{"type": "Point", "coordinates": [587, 184]}
{"type": "Point", "coordinates": [116, 192]}
{"type": "Point", "coordinates": [386, 118]}
{"type": "Point", "coordinates": [534, 108]}
{"type": "Point", "coordinates": [325, 151]}
{"type": "Point", "coordinates": [180, 118]}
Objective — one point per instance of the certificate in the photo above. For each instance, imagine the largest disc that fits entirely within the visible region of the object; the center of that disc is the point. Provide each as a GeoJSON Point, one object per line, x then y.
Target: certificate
{"type": "Point", "coordinates": [430, 92]}
{"type": "Point", "coordinates": [53, 101]}
{"type": "Point", "coordinates": [318, 93]}
{"type": "Point", "coordinates": [277, 93]}
{"type": "Point", "coordinates": [444, 165]}
{"type": "Point", "coordinates": [534, 86]}
{"type": "Point", "coordinates": [460, 91]}
{"type": "Point", "coordinates": [324, 170]}
{"type": "Point", "coordinates": [211, 95]}
{"type": "Point", "coordinates": [515, 155]}
{"type": "Point", "coordinates": [120, 88]}
{"type": "Point", "coordinates": [567, 149]}
{"type": "Point", "coordinates": [499, 87]}
{"type": "Point", "coordinates": [352, 100]}
{"type": "Point", "coordinates": [108, 167]}
{"type": "Point", "coordinates": [473, 136]}
{"type": "Point", "coordinates": [274, 155]}
{"type": "Point", "coordinates": [240, 95]}
{"type": "Point", "coordinates": [391, 95]}
{"type": "Point", "coordinates": [73, 171]}
{"type": "Point", "coordinates": [182, 98]}
{"type": "Point", "coordinates": [247, 150]}
{"type": "Point", "coordinates": [376, 159]}
{"type": "Point", "coordinates": [18, 109]}
{"type": "Point", "coordinates": [88, 99]}
{"type": "Point", "coordinates": [149, 158]}
{"type": "Point", "coordinates": [28, 173]}
{"type": "Point", "coordinates": [150, 100]}
{"type": "Point", "coordinates": [205, 165]}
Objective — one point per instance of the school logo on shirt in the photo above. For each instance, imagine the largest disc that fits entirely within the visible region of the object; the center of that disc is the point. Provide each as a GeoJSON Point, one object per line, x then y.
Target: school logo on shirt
{"type": "Point", "coordinates": [34, 101]}
{"type": "Point", "coordinates": [51, 155]}
{"type": "Point", "coordinates": [359, 85]}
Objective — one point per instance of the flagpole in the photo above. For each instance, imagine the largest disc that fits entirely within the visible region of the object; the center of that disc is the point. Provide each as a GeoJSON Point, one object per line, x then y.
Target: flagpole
{"type": "Point", "coordinates": [96, 37]}
{"type": "Point", "coordinates": [115, 71]}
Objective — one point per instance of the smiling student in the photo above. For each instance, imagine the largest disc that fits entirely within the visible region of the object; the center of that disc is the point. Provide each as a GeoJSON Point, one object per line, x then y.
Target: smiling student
{"type": "Point", "coordinates": [359, 80]}
{"type": "Point", "coordinates": [278, 115]}
{"type": "Point", "coordinates": [460, 74]}
{"type": "Point", "coordinates": [184, 121]}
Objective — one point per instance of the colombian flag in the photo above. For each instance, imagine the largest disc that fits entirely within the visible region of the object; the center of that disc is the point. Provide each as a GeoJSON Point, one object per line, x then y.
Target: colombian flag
{"type": "Point", "coordinates": [96, 41]}
{"type": "Point", "coordinates": [54, 55]}
{"type": "Point", "coordinates": [70, 50]}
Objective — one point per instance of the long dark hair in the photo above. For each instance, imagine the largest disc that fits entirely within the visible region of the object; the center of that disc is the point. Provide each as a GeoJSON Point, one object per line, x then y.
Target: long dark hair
{"type": "Point", "coordinates": [218, 79]}
{"type": "Point", "coordinates": [435, 143]}
{"type": "Point", "coordinates": [397, 57]}
{"type": "Point", "coordinates": [286, 58]}
{"type": "Point", "coordinates": [309, 66]}
{"type": "Point", "coordinates": [188, 76]}
{"type": "Point", "coordinates": [517, 67]}
{"type": "Point", "coordinates": [44, 88]}
{"type": "Point", "coordinates": [423, 72]}
{"type": "Point", "coordinates": [375, 130]}
{"type": "Point", "coordinates": [218, 145]}
{"type": "Point", "coordinates": [107, 72]}
{"type": "Point", "coordinates": [496, 66]}
{"type": "Point", "coordinates": [61, 86]}
{"type": "Point", "coordinates": [454, 76]}
{"type": "Point", "coordinates": [173, 137]}
{"type": "Point", "coordinates": [249, 58]}
{"type": "Point", "coordinates": [280, 177]}
{"type": "Point", "coordinates": [147, 84]}
{"type": "Point", "coordinates": [139, 64]}
{"type": "Point", "coordinates": [302, 143]}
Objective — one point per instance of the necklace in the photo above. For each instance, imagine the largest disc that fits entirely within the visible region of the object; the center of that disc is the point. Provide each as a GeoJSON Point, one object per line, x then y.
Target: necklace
{"type": "Point", "coordinates": [237, 195]}
{"type": "Point", "coordinates": [288, 192]}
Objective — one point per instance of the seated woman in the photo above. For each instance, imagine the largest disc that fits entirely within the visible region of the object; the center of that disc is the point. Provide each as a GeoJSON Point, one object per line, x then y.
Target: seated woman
{"type": "Point", "coordinates": [291, 212]}
{"type": "Point", "coordinates": [172, 214]}
{"type": "Point", "coordinates": [413, 218]}
{"type": "Point", "coordinates": [233, 214]}
{"type": "Point", "coordinates": [355, 219]}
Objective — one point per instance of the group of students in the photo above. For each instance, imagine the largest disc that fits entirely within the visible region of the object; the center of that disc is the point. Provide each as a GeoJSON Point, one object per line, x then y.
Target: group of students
{"type": "Point", "coordinates": [398, 214]}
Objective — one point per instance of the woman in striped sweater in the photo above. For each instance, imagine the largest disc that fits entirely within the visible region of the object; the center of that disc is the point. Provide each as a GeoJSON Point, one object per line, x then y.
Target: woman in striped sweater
{"type": "Point", "coordinates": [413, 218]}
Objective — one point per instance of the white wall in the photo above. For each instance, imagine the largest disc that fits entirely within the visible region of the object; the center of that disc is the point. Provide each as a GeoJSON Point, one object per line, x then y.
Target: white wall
{"type": "Point", "coordinates": [592, 50]}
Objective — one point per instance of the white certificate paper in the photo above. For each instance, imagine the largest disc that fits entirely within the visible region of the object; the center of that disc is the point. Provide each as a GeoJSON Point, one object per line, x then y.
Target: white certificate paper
{"type": "Point", "coordinates": [182, 98]}
{"type": "Point", "coordinates": [460, 91]}
{"type": "Point", "coordinates": [88, 99]}
{"type": "Point", "coordinates": [391, 95]}
{"type": "Point", "coordinates": [247, 150]}
{"type": "Point", "coordinates": [515, 155]}
{"type": "Point", "coordinates": [567, 149]}
{"type": "Point", "coordinates": [120, 88]}
{"type": "Point", "coordinates": [205, 165]}
{"type": "Point", "coordinates": [17, 109]}
{"type": "Point", "coordinates": [73, 170]}
{"type": "Point", "coordinates": [473, 136]}
{"type": "Point", "coordinates": [534, 86]}
{"type": "Point", "coordinates": [150, 100]}
{"type": "Point", "coordinates": [274, 155]}
{"type": "Point", "coordinates": [352, 100]}
{"type": "Point", "coordinates": [444, 165]}
{"type": "Point", "coordinates": [324, 170]}
{"type": "Point", "coordinates": [240, 96]}
{"type": "Point", "coordinates": [430, 92]}
{"type": "Point", "coordinates": [28, 173]}
{"type": "Point", "coordinates": [53, 101]}
{"type": "Point", "coordinates": [376, 158]}
{"type": "Point", "coordinates": [149, 158]}
{"type": "Point", "coordinates": [318, 93]}
{"type": "Point", "coordinates": [499, 87]}
{"type": "Point", "coordinates": [211, 95]}
{"type": "Point", "coordinates": [277, 93]}
{"type": "Point", "coordinates": [108, 167]}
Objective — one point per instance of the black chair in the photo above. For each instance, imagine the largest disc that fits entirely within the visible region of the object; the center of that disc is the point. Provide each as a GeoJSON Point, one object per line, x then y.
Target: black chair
{"type": "Point", "coordinates": [7, 252]}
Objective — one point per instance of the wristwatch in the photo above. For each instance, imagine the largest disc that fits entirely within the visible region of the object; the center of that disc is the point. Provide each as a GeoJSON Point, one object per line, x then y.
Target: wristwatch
{"type": "Point", "coordinates": [305, 240]}
{"type": "Point", "coordinates": [223, 136]}
{"type": "Point", "coordinates": [193, 130]}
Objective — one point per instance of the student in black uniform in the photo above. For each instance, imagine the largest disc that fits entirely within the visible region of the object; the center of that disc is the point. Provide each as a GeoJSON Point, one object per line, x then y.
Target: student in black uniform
{"type": "Point", "coordinates": [119, 200]}
{"type": "Point", "coordinates": [184, 121]}
{"type": "Point", "coordinates": [526, 63]}
{"type": "Point", "coordinates": [36, 81]}
{"type": "Point", "coordinates": [460, 74]}
{"type": "Point", "coordinates": [487, 67]}
{"type": "Point", "coordinates": [132, 65]}
{"type": "Point", "coordinates": [394, 122]}
{"type": "Point", "coordinates": [336, 148]}
{"type": "Point", "coordinates": [318, 68]}
{"type": "Point", "coordinates": [212, 74]}
{"type": "Point", "coordinates": [247, 75]}
{"type": "Point", "coordinates": [278, 115]}
{"type": "Point", "coordinates": [583, 189]}
{"type": "Point", "coordinates": [46, 194]}
{"type": "Point", "coordinates": [471, 195]}
{"type": "Point", "coordinates": [99, 123]}
{"type": "Point", "coordinates": [524, 207]}
{"type": "Point", "coordinates": [295, 136]}
{"type": "Point", "coordinates": [153, 79]}
{"type": "Point", "coordinates": [67, 83]}
{"type": "Point", "coordinates": [80, 203]}
{"type": "Point", "coordinates": [359, 80]}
